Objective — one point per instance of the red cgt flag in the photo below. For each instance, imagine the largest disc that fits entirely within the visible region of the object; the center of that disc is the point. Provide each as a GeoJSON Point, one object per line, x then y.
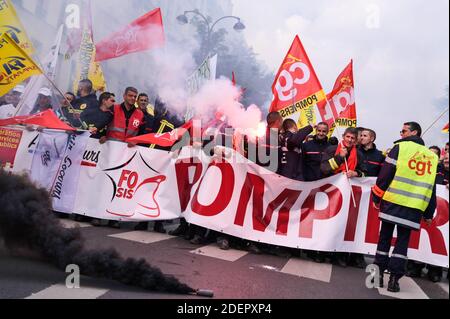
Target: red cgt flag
{"type": "Point", "coordinates": [296, 85]}
{"type": "Point", "coordinates": [142, 34]}
{"type": "Point", "coordinates": [340, 103]}
{"type": "Point", "coordinates": [46, 119]}
{"type": "Point", "coordinates": [445, 129]}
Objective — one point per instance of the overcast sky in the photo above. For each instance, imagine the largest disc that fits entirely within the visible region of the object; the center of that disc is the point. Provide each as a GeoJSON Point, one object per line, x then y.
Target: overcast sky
{"type": "Point", "coordinates": [400, 50]}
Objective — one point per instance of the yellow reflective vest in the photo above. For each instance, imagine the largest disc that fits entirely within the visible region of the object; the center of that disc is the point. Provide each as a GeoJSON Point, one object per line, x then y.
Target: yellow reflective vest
{"type": "Point", "coordinates": [414, 178]}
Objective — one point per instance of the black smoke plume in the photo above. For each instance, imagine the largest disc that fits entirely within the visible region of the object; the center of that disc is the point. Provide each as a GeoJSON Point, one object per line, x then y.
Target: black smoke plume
{"type": "Point", "coordinates": [26, 220]}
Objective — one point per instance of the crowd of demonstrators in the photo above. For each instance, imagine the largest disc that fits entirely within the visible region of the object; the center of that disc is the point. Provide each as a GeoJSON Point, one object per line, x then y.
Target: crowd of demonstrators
{"type": "Point", "coordinates": [301, 156]}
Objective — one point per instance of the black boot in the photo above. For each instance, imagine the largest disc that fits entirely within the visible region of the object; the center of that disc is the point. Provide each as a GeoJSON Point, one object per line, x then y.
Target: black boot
{"type": "Point", "coordinates": [393, 285]}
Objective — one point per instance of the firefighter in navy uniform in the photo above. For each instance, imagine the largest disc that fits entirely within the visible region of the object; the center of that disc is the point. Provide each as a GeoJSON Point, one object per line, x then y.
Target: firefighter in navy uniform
{"type": "Point", "coordinates": [98, 119]}
{"type": "Point", "coordinates": [313, 151]}
{"type": "Point", "coordinates": [86, 99]}
{"type": "Point", "coordinates": [372, 157]}
{"type": "Point", "coordinates": [149, 113]}
{"type": "Point", "coordinates": [291, 145]}
{"type": "Point", "coordinates": [344, 158]}
{"type": "Point", "coordinates": [405, 193]}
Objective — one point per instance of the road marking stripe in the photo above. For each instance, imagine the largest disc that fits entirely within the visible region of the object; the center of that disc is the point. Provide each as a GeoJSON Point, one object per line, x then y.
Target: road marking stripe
{"type": "Point", "coordinates": [444, 286]}
{"type": "Point", "coordinates": [409, 289]}
{"type": "Point", "coordinates": [215, 252]}
{"type": "Point", "coordinates": [308, 269]}
{"type": "Point", "coordinates": [144, 237]}
{"type": "Point", "coordinates": [60, 291]}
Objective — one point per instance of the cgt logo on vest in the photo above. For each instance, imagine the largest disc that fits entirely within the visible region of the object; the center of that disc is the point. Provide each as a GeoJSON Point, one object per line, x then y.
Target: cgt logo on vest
{"type": "Point", "coordinates": [420, 163]}
{"type": "Point", "coordinates": [130, 188]}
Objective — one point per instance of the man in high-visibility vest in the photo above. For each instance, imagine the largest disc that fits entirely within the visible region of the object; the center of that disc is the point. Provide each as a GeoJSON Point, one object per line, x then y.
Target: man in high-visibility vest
{"type": "Point", "coordinates": [405, 193]}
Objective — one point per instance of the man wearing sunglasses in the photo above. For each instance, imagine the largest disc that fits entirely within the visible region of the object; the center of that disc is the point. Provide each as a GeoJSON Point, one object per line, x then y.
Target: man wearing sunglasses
{"type": "Point", "coordinates": [405, 193]}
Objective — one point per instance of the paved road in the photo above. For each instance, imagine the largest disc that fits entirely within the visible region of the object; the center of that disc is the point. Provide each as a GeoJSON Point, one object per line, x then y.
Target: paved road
{"type": "Point", "coordinates": [231, 274]}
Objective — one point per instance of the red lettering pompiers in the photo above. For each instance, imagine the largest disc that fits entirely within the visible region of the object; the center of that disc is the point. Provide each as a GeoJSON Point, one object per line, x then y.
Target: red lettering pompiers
{"type": "Point", "coordinates": [254, 189]}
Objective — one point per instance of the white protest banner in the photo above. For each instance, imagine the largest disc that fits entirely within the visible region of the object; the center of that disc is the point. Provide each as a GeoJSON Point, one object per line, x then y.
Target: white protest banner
{"type": "Point", "coordinates": [130, 184]}
{"type": "Point", "coordinates": [64, 188]}
{"type": "Point", "coordinates": [47, 158]}
{"type": "Point", "coordinates": [25, 151]}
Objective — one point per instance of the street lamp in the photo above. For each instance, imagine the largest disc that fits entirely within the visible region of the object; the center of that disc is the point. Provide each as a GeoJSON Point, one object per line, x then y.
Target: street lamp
{"type": "Point", "coordinates": [183, 19]}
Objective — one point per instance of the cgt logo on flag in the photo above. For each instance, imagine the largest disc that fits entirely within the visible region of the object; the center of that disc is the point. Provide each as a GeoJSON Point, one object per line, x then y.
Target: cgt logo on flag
{"type": "Point", "coordinates": [132, 188]}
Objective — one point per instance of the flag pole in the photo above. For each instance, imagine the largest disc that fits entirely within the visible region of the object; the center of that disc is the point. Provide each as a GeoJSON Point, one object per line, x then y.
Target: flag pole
{"type": "Point", "coordinates": [432, 124]}
{"type": "Point", "coordinates": [62, 94]}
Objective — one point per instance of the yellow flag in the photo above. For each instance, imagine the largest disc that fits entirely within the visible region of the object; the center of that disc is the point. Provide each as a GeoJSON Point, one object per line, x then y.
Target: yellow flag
{"type": "Point", "coordinates": [86, 67]}
{"type": "Point", "coordinates": [10, 24]}
{"type": "Point", "coordinates": [15, 65]}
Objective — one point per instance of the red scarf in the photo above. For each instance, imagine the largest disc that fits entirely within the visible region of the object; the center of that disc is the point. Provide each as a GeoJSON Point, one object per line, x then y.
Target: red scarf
{"type": "Point", "coordinates": [352, 160]}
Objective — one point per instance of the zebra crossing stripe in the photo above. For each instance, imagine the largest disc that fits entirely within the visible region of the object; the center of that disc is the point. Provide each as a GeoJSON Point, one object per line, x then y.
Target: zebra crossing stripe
{"type": "Point", "coordinates": [60, 291]}
{"type": "Point", "coordinates": [409, 289]}
{"type": "Point", "coordinates": [215, 252]}
{"type": "Point", "coordinates": [308, 269]}
{"type": "Point", "coordinates": [143, 237]}
{"type": "Point", "coordinates": [444, 286]}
